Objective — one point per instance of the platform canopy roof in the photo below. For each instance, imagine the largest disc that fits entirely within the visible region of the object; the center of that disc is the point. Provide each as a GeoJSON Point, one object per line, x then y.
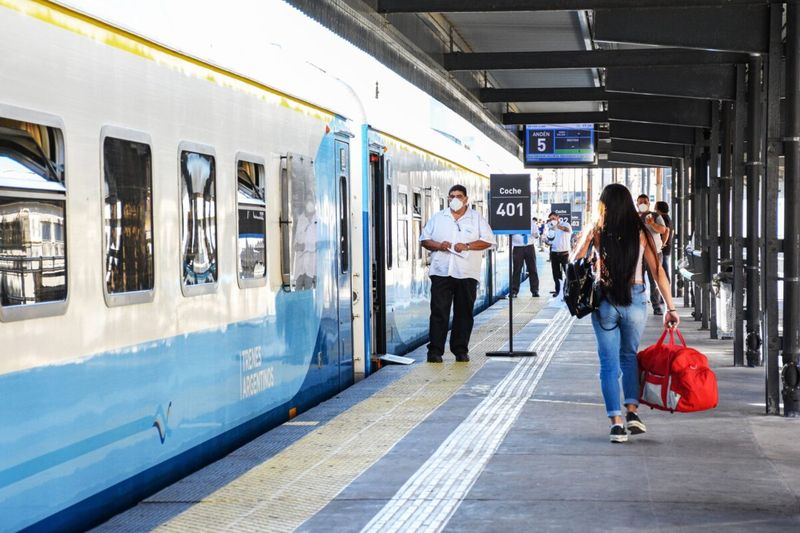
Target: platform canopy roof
{"type": "Point", "coordinates": [646, 71]}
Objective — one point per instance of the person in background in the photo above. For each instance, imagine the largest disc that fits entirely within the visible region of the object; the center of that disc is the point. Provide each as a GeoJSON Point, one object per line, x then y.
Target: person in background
{"type": "Point", "coordinates": [662, 208]}
{"type": "Point", "coordinates": [456, 235]}
{"type": "Point", "coordinates": [559, 248]}
{"type": "Point", "coordinates": [622, 243]}
{"type": "Point", "coordinates": [655, 225]}
{"type": "Point", "coordinates": [523, 250]}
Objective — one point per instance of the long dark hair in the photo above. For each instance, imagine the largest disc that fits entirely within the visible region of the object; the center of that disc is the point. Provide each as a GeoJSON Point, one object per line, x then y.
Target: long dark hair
{"type": "Point", "coordinates": [619, 242]}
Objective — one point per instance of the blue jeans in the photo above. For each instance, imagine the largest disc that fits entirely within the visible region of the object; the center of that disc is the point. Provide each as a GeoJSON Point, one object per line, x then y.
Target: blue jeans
{"type": "Point", "coordinates": [618, 330]}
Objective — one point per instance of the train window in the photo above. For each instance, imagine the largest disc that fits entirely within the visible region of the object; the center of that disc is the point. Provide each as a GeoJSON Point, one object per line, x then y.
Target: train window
{"type": "Point", "coordinates": [402, 237]}
{"type": "Point", "coordinates": [252, 220]}
{"type": "Point", "coordinates": [299, 223]}
{"type": "Point", "coordinates": [198, 220]}
{"type": "Point", "coordinates": [417, 209]}
{"type": "Point", "coordinates": [389, 228]}
{"type": "Point", "coordinates": [416, 225]}
{"type": "Point", "coordinates": [33, 250]}
{"type": "Point", "coordinates": [127, 218]}
{"type": "Point", "coordinates": [344, 227]}
{"type": "Point", "coordinates": [402, 202]}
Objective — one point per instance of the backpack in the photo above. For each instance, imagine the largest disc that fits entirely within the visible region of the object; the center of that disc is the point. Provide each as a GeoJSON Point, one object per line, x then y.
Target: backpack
{"type": "Point", "coordinates": [581, 294]}
{"type": "Point", "coordinates": [674, 377]}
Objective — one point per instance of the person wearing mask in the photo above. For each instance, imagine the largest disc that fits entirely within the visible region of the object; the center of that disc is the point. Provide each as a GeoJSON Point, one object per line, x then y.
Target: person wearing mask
{"type": "Point", "coordinates": [523, 251]}
{"type": "Point", "coordinates": [622, 243]}
{"type": "Point", "coordinates": [559, 234]}
{"type": "Point", "coordinates": [456, 235]}
{"type": "Point", "coordinates": [662, 208]}
{"type": "Point", "coordinates": [655, 225]}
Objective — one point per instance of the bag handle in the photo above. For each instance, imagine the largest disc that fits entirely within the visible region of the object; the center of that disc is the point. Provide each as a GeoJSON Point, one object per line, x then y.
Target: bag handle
{"type": "Point", "coordinates": [672, 332]}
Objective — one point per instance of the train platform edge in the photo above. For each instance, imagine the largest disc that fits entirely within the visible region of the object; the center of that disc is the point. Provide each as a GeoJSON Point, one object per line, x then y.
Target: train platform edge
{"type": "Point", "coordinates": [500, 444]}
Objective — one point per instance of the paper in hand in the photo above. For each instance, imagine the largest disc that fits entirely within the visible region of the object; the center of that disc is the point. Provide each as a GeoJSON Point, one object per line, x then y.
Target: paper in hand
{"type": "Point", "coordinates": [452, 250]}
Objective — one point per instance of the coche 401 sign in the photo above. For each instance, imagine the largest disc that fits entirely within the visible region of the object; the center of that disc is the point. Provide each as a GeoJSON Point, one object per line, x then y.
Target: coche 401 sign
{"type": "Point", "coordinates": [510, 203]}
{"type": "Point", "coordinates": [509, 209]}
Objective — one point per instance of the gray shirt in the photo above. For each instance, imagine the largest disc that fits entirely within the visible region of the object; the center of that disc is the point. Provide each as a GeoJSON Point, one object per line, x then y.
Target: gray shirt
{"type": "Point", "coordinates": [656, 235]}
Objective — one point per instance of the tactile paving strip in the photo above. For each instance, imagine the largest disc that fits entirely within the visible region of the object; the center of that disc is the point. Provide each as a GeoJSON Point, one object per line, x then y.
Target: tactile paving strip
{"type": "Point", "coordinates": [282, 492]}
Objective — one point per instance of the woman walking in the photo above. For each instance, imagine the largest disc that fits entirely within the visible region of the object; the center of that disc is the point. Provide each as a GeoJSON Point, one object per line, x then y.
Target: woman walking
{"type": "Point", "coordinates": [621, 243]}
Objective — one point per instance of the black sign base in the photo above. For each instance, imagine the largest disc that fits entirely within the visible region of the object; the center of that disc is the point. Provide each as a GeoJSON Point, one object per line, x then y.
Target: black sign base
{"type": "Point", "coordinates": [510, 354]}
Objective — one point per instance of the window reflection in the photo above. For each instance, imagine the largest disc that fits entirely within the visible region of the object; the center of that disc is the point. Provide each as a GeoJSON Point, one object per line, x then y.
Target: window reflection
{"type": "Point", "coordinates": [199, 226]}
{"type": "Point", "coordinates": [128, 209]}
{"type": "Point", "coordinates": [32, 262]}
{"type": "Point", "coordinates": [306, 223]}
{"type": "Point", "coordinates": [252, 221]}
{"type": "Point", "coordinates": [33, 266]}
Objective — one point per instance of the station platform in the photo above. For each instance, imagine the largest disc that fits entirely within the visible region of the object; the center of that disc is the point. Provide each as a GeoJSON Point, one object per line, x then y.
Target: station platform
{"type": "Point", "coordinates": [502, 444]}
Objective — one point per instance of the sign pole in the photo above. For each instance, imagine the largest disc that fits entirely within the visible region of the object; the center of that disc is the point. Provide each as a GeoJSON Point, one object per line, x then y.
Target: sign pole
{"type": "Point", "coordinates": [510, 299]}
{"type": "Point", "coordinates": [510, 213]}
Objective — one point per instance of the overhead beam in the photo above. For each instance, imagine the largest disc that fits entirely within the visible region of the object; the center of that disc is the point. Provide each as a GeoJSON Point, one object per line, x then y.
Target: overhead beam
{"type": "Point", "coordinates": [743, 28]}
{"type": "Point", "coordinates": [588, 117]}
{"type": "Point", "coordinates": [621, 146]}
{"type": "Point", "coordinates": [713, 82]}
{"type": "Point", "coordinates": [471, 6]}
{"type": "Point", "coordinates": [554, 94]}
{"type": "Point", "coordinates": [641, 160]}
{"type": "Point", "coordinates": [656, 133]}
{"type": "Point", "coordinates": [569, 59]}
{"type": "Point", "coordinates": [672, 111]}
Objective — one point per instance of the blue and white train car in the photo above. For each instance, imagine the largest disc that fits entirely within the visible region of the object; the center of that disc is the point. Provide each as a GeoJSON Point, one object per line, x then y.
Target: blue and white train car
{"type": "Point", "coordinates": [190, 255]}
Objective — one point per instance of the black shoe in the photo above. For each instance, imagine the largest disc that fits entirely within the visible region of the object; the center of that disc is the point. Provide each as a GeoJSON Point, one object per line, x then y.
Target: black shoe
{"type": "Point", "coordinates": [658, 311]}
{"type": "Point", "coordinates": [618, 434]}
{"type": "Point", "coordinates": [513, 295]}
{"type": "Point", "coordinates": [634, 424]}
{"type": "Point", "coordinates": [554, 293]}
{"type": "Point", "coordinates": [535, 294]}
{"type": "Point", "coordinates": [462, 358]}
{"type": "Point", "coordinates": [434, 358]}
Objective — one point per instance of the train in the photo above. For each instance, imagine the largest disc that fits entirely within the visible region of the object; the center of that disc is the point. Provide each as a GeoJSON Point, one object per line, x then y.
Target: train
{"type": "Point", "coordinates": [192, 253]}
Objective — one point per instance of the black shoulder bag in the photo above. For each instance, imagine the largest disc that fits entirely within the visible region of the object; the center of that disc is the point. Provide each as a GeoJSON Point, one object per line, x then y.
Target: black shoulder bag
{"type": "Point", "coordinates": [581, 293]}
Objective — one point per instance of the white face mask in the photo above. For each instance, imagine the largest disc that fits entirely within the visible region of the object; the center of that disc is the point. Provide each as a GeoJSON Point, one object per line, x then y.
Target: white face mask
{"type": "Point", "coordinates": [643, 208]}
{"type": "Point", "coordinates": [456, 204]}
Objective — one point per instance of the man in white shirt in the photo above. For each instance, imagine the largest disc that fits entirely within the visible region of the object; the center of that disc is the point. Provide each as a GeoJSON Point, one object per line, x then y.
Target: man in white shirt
{"type": "Point", "coordinates": [524, 251]}
{"type": "Point", "coordinates": [456, 236]}
{"type": "Point", "coordinates": [560, 235]}
{"type": "Point", "coordinates": [655, 224]}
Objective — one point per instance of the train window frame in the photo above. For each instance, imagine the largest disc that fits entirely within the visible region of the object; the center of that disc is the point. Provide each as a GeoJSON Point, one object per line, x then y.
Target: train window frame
{"type": "Point", "coordinates": [403, 225]}
{"type": "Point", "coordinates": [287, 219]}
{"type": "Point", "coordinates": [57, 307]}
{"type": "Point", "coordinates": [132, 297]}
{"type": "Point", "coordinates": [202, 149]}
{"type": "Point", "coordinates": [248, 283]}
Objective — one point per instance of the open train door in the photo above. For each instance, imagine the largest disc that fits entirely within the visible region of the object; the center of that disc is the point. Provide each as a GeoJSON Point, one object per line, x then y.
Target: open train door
{"type": "Point", "coordinates": [343, 264]}
{"type": "Point", "coordinates": [377, 251]}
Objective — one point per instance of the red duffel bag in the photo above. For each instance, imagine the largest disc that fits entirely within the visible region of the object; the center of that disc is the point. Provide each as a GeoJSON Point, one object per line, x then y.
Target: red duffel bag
{"type": "Point", "coordinates": [674, 377]}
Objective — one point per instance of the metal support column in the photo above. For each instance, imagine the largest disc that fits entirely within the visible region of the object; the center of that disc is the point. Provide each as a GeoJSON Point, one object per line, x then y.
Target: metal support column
{"type": "Point", "coordinates": [684, 221]}
{"type": "Point", "coordinates": [791, 233]}
{"type": "Point", "coordinates": [699, 225]}
{"type": "Point", "coordinates": [676, 243]}
{"type": "Point", "coordinates": [737, 219]}
{"type": "Point", "coordinates": [770, 349]}
{"type": "Point", "coordinates": [711, 251]}
{"type": "Point", "coordinates": [726, 134]}
{"type": "Point", "coordinates": [755, 168]}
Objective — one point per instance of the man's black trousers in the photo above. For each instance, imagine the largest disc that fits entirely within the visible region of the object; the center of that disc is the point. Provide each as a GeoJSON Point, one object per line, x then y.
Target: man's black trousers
{"type": "Point", "coordinates": [460, 293]}
{"type": "Point", "coordinates": [528, 255]}
{"type": "Point", "coordinates": [558, 262]}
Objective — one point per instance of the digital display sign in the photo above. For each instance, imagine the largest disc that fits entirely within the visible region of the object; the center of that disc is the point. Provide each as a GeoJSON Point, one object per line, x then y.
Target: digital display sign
{"type": "Point", "coordinates": [559, 144]}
